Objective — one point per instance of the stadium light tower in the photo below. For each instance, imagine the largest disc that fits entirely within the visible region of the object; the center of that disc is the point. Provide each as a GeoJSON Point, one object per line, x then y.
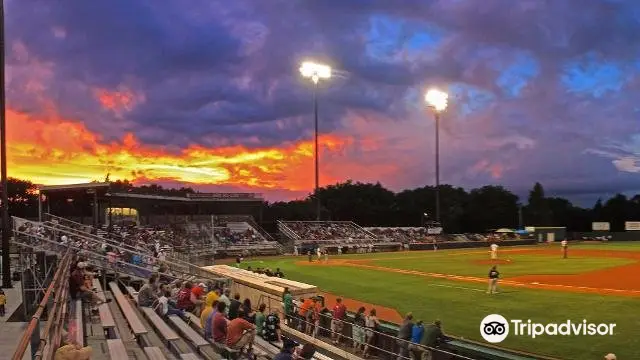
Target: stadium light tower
{"type": "Point", "coordinates": [316, 72]}
{"type": "Point", "coordinates": [437, 100]}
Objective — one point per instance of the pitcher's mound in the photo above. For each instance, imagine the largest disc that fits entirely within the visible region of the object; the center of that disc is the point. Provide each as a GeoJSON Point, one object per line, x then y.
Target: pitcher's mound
{"type": "Point", "coordinates": [493, 262]}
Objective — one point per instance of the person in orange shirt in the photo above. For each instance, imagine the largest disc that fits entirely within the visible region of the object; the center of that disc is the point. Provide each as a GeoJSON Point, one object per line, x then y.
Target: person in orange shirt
{"type": "Point", "coordinates": [317, 309]}
{"type": "Point", "coordinates": [304, 314]}
{"type": "Point", "coordinates": [241, 333]}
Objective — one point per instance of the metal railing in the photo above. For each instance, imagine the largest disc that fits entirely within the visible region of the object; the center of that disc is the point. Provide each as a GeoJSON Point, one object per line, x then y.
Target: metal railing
{"type": "Point", "coordinates": [135, 264]}
{"type": "Point", "coordinates": [59, 286]}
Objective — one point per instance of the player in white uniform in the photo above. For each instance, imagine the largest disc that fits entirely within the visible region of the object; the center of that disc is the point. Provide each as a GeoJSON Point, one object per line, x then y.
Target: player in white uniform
{"type": "Point", "coordinates": [319, 253]}
{"type": "Point", "coordinates": [565, 248]}
{"type": "Point", "coordinates": [494, 251]}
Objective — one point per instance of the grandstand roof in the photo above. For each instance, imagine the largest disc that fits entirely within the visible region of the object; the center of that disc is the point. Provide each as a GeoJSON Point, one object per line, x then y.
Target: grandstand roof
{"type": "Point", "coordinates": [83, 186]}
{"type": "Point", "coordinates": [208, 198]}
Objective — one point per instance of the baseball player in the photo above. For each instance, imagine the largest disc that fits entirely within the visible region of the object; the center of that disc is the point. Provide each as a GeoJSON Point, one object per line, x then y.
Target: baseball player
{"type": "Point", "coordinates": [494, 251]}
{"type": "Point", "coordinates": [494, 275]}
{"type": "Point", "coordinates": [565, 248]}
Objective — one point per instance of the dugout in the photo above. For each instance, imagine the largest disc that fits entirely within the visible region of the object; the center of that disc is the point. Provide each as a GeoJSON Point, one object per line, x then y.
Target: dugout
{"type": "Point", "coordinates": [547, 233]}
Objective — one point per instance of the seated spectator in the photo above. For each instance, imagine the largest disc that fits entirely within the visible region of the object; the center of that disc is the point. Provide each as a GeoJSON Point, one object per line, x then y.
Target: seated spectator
{"type": "Point", "coordinates": [165, 307]}
{"type": "Point", "coordinates": [219, 324]}
{"type": "Point", "coordinates": [208, 309]}
{"type": "Point", "coordinates": [147, 294]}
{"type": "Point", "coordinates": [77, 287]}
{"type": "Point", "coordinates": [241, 334]}
{"type": "Point", "coordinates": [208, 324]}
{"type": "Point", "coordinates": [234, 307]}
{"type": "Point", "coordinates": [307, 351]}
{"type": "Point", "coordinates": [249, 314]}
{"type": "Point", "coordinates": [183, 299]}
{"type": "Point", "coordinates": [196, 298]}
{"type": "Point", "coordinates": [287, 351]}
{"type": "Point", "coordinates": [225, 299]}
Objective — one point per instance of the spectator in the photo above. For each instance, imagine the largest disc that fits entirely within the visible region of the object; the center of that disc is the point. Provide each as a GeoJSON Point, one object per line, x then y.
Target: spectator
{"type": "Point", "coordinates": [164, 307]}
{"type": "Point", "coordinates": [213, 295]}
{"type": "Point", "coordinates": [287, 301]}
{"type": "Point", "coordinates": [404, 336]}
{"type": "Point", "coordinates": [416, 337]}
{"type": "Point", "coordinates": [272, 327]}
{"type": "Point", "coordinates": [219, 331]}
{"type": "Point", "coordinates": [196, 298]}
{"type": "Point", "coordinates": [431, 338]}
{"type": "Point", "coordinates": [147, 294]}
{"type": "Point", "coordinates": [184, 298]}
{"type": "Point", "coordinates": [359, 322]}
{"type": "Point", "coordinates": [372, 324]}
{"type": "Point", "coordinates": [315, 317]}
{"type": "Point", "coordinates": [338, 315]}
{"type": "Point", "coordinates": [208, 324]}
{"type": "Point", "coordinates": [610, 357]}
{"type": "Point", "coordinates": [287, 351]}
{"type": "Point", "coordinates": [225, 299]}
{"type": "Point", "coordinates": [234, 308]}
{"type": "Point", "coordinates": [249, 315]}
{"type": "Point", "coordinates": [3, 302]}
{"type": "Point", "coordinates": [241, 334]}
{"type": "Point", "coordinates": [307, 351]}
{"type": "Point", "coordinates": [208, 309]}
{"type": "Point", "coordinates": [77, 287]}
{"type": "Point", "coordinates": [260, 318]}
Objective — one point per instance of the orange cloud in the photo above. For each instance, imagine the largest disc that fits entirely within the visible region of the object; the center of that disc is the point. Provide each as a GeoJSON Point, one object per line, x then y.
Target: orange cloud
{"type": "Point", "coordinates": [496, 170]}
{"type": "Point", "coordinates": [58, 151]}
{"type": "Point", "coordinates": [118, 101]}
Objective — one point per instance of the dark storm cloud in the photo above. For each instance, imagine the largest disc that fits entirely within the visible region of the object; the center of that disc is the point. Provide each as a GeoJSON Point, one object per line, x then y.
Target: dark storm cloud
{"type": "Point", "coordinates": [222, 72]}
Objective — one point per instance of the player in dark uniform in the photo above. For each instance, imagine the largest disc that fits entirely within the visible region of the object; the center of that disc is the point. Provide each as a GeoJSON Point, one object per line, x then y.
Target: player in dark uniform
{"type": "Point", "coordinates": [494, 275]}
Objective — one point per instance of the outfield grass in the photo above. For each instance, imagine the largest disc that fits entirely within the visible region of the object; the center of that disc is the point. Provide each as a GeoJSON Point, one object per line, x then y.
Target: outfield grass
{"type": "Point", "coordinates": [462, 307]}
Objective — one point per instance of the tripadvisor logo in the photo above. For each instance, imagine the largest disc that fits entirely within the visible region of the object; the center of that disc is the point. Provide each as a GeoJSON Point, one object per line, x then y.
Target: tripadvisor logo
{"type": "Point", "coordinates": [495, 328]}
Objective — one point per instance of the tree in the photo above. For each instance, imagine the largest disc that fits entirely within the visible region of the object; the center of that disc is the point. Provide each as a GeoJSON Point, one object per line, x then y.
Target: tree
{"type": "Point", "coordinates": [491, 207]}
{"type": "Point", "coordinates": [537, 212]}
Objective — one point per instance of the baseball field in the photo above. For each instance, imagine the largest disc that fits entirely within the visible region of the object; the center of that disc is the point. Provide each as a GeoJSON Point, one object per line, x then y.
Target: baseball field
{"type": "Point", "coordinates": [599, 283]}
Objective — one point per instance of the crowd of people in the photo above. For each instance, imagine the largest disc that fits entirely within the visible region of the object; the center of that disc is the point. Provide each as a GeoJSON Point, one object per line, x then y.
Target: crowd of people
{"type": "Point", "coordinates": [415, 340]}
{"type": "Point", "coordinates": [327, 230]}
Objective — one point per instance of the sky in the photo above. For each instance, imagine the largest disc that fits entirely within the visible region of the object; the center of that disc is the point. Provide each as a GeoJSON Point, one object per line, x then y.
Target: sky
{"type": "Point", "coordinates": [207, 93]}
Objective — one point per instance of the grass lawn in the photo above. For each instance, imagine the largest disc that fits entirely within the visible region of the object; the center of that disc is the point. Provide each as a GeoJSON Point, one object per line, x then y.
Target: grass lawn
{"type": "Point", "coordinates": [462, 307]}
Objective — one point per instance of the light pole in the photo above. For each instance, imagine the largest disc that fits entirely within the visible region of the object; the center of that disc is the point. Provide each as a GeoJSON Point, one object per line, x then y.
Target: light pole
{"type": "Point", "coordinates": [6, 231]}
{"type": "Point", "coordinates": [315, 72]}
{"type": "Point", "coordinates": [437, 100]}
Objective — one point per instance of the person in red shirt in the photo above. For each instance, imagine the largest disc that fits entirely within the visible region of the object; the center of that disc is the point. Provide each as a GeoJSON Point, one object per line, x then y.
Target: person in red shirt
{"type": "Point", "coordinates": [220, 324]}
{"type": "Point", "coordinates": [240, 333]}
{"type": "Point", "coordinates": [339, 312]}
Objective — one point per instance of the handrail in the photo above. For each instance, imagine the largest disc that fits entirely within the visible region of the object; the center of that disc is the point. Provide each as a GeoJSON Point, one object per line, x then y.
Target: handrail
{"type": "Point", "coordinates": [35, 319]}
{"type": "Point", "coordinates": [55, 316]}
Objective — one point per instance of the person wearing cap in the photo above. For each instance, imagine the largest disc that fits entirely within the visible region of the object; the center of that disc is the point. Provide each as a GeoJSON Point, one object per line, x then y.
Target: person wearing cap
{"type": "Point", "coordinates": [610, 356]}
{"type": "Point", "coordinates": [196, 298]}
{"type": "Point", "coordinates": [148, 292]}
{"type": "Point", "coordinates": [431, 338]}
{"type": "Point", "coordinates": [287, 351]}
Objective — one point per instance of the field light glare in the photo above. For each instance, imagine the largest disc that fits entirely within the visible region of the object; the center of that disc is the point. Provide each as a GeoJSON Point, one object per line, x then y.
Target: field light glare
{"type": "Point", "coordinates": [437, 99]}
{"type": "Point", "coordinates": [315, 71]}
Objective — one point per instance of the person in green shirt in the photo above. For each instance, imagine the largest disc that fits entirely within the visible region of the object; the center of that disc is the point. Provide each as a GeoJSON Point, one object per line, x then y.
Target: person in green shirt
{"type": "Point", "coordinates": [260, 317]}
{"type": "Point", "coordinates": [431, 338]}
{"type": "Point", "coordinates": [287, 300]}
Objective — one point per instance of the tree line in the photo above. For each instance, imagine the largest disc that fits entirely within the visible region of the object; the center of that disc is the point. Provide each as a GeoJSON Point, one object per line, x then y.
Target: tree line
{"type": "Point", "coordinates": [477, 210]}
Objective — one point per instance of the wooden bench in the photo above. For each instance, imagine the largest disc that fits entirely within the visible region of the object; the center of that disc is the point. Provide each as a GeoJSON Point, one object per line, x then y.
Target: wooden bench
{"type": "Point", "coordinates": [134, 321]}
{"type": "Point", "coordinates": [188, 332]}
{"type": "Point", "coordinates": [154, 353]}
{"type": "Point", "coordinates": [193, 319]}
{"type": "Point", "coordinates": [79, 323]}
{"type": "Point", "coordinates": [117, 350]}
{"type": "Point", "coordinates": [189, 356]}
{"type": "Point", "coordinates": [133, 293]}
{"type": "Point", "coordinates": [165, 331]}
{"type": "Point", "coordinates": [106, 319]}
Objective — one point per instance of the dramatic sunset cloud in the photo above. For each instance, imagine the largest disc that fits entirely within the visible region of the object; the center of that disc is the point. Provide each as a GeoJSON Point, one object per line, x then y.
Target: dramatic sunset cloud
{"type": "Point", "coordinates": [207, 93]}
